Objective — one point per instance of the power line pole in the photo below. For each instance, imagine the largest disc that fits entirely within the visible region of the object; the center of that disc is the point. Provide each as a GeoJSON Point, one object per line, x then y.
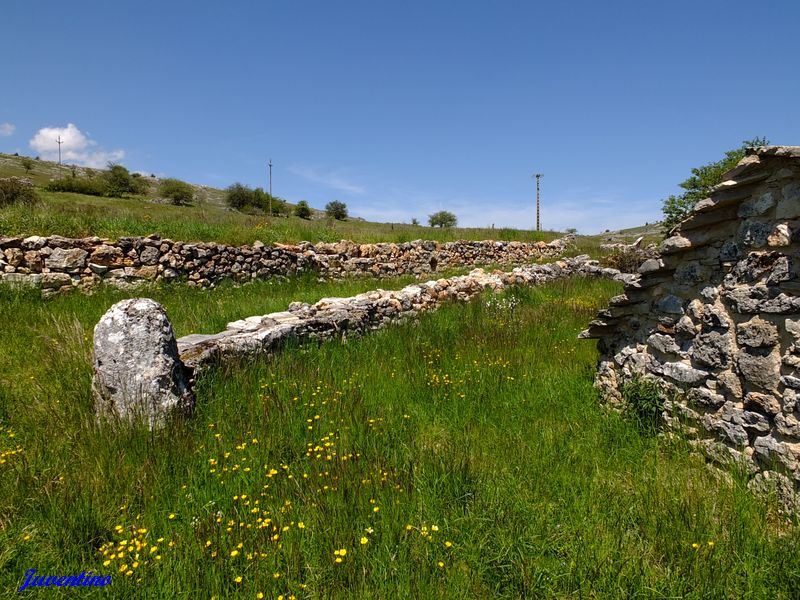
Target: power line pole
{"type": "Point", "coordinates": [538, 222]}
{"type": "Point", "coordinates": [59, 141]}
{"type": "Point", "coordinates": [270, 187]}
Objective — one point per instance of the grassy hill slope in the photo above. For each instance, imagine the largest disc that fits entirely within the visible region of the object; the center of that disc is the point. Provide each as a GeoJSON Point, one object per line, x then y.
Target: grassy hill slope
{"type": "Point", "coordinates": [206, 219]}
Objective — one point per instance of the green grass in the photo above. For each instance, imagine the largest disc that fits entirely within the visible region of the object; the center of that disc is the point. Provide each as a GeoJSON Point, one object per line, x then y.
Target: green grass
{"type": "Point", "coordinates": [477, 427]}
{"type": "Point", "coordinates": [76, 215]}
{"type": "Point", "coordinates": [207, 219]}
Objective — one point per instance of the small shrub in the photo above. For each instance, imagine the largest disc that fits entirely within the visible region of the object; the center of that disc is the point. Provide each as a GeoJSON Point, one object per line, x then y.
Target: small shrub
{"type": "Point", "coordinates": [119, 182]}
{"type": "Point", "coordinates": [415, 221]}
{"type": "Point", "coordinates": [177, 191]}
{"type": "Point", "coordinates": [336, 210]}
{"type": "Point", "coordinates": [644, 403]}
{"type": "Point", "coordinates": [302, 210]}
{"type": "Point", "coordinates": [17, 190]}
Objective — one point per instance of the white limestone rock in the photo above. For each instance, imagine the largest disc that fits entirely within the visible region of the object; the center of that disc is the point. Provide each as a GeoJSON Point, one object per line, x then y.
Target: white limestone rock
{"type": "Point", "coordinates": [138, 375]}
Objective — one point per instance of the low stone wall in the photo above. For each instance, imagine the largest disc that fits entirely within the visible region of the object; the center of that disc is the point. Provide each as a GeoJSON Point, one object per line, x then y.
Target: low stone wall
{"type": "Point", "coordinates": [130, 329]}
{"type": "Point", "coordinates": [59, 264]}
{"type": "Point", "coordinates": [715, 322]}
{"type": "Point", "coordinates": [368, 311]}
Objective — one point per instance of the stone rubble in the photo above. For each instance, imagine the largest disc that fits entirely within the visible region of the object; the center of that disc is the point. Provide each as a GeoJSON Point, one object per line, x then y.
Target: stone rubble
{"type": "Point", "coordinates": [716, 322]}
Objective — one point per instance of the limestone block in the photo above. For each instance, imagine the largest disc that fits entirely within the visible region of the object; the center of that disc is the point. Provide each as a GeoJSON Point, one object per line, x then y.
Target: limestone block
{"type": "Point", "coordinates": [789, 204]}
{"type": "Point", "coordinates": [706, 397]}
{"type": "Point", "coordinates": [34, 260]}
{"type": "Point", "coordinates": [674, 244]}
{"type": "Point", "coordinates": [682, 373]}
{"type": "Point", "coordinates": [757, 205]}
{"type": "Point", "coordinates": [55, 280]}
{"type": "Point", "coordinates": [715, 317]}
{"type": "Point", "coordinates": [14, 256]}
{"type": "Point", "coordinates": [765, 403]}
{"type": "Point", "coordinates": [712, 349]}
{"type": "Point", "coordinates": [149, 256]}
{"type": "Point", "coordinates": [670, 304]}
{"type": "Point", "coordinates": [137, 372]}
{"type": "Point", "coordinates": [759, 369]}
{"type": "Point", "coordinates": [757, 333]}
{"type": "Point", "coordinates": [664, 344]}
{"type": "Point", "coordinates": [779, 236]}
{"type": "Point", "coordinates": [70, 259]}
{"type": "Point", "coordinates": [787, 425]}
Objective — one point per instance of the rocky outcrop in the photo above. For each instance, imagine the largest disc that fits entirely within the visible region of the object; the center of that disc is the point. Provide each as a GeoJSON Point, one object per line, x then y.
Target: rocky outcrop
{"type": "Point", "coordinates": [715, 321]}
{"type": "Point", "coordinates": [137, 372]}
{"type": "Point", "coordinates": [60, 264]}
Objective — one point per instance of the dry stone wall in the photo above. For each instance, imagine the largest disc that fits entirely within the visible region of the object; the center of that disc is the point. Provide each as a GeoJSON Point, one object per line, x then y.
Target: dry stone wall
{"type": "Point", "coordinates": [715, 322]}
{"type": "Point", "coordinates": [134, 328]}
{"type": "Point", "coordinates": [59, 264]}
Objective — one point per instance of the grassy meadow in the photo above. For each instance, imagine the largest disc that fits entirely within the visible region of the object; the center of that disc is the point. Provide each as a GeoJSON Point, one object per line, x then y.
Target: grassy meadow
{"type": "Point", "coordinates": [464, 456]}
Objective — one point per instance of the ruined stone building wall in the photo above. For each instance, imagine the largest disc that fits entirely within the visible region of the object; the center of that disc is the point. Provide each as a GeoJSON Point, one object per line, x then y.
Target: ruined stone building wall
{"type": "Point", "coordinates": [59, 264]}
{"type": "Point", "coordinates": [715, 321]}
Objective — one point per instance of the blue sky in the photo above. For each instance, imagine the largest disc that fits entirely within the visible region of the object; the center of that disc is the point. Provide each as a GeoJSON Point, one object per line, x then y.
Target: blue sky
{"type": "Point", "coordinates": [400, 109]}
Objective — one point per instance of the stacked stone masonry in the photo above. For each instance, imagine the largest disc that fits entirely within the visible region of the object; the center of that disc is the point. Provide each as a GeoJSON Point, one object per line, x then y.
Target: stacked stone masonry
{"type": "Point", "coordinates": [715, 321]}
{"type": "Point", "coordinates": [60, 264]}
{"type": "Point", "coordinates": [141, 372]}
{"type": "Point", "coordinates": [341, 317]}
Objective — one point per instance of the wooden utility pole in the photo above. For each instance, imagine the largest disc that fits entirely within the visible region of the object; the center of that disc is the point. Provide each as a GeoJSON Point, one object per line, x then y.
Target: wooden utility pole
{"type": "Point", "coordinates": [538, 222]}
{"type": "Point", "coordinates": [59, 141]}
{"type": "Point", "coordinates": [270, 187]}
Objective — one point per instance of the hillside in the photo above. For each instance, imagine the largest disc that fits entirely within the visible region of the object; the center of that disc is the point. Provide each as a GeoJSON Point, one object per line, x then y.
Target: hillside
{"type": "Point", "coordinates": [207, 218]}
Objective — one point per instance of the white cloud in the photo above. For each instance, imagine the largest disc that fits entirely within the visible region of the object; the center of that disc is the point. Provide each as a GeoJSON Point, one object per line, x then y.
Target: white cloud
{"type": "Point", "coordinates": [7, 129]}
{"type": "Point", "coordinates": [76, 147]}
{"type": "Point", "coordinates": [333, 179]}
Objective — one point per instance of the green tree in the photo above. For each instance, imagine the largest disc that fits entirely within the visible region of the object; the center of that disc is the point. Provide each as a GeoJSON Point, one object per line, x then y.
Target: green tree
{"type": "Point", "coordinates": [177, 191]}
{"type": "Point", "coordinates": [119, 181]}
{"type": "Point", "coordinates": [698, 186]}
{"type": "Point", "coordinates": [442, 218]}
{"type": "Point", "coordinates": [27, 164]}
{"type": "Point", "coordinates": [302, 210]}
{"type": "Point", "coordinates": [336, 210]}
{"type": "Point", "coordinates": [415, 221]}
{"type": "Point", "coordinates": [238, 196]}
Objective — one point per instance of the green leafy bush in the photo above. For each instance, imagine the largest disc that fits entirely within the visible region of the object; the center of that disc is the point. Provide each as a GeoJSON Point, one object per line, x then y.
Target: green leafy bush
{"type": "Point", "coordinates": [119, 182]}
{"type": "Point", "coordinates": [644, 404]}
{"type": "Point", "coordinates": [17, 190]}
{"type": "Point", "coordinates": [177, 191]}
{"type": "Point", "coordinates": [90, 186]}
{"type": "Point", "coordinates": [302, 210]}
